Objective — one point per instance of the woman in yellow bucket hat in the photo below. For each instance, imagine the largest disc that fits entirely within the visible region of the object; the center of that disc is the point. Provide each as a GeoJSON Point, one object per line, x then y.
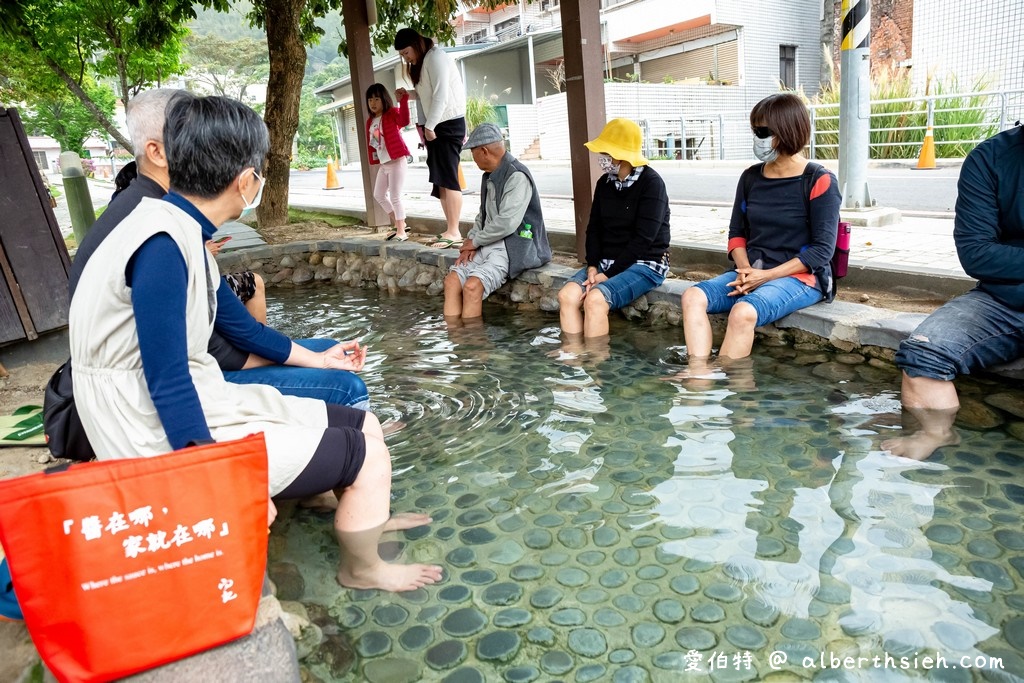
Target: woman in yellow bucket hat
{"type": "Point", "coordinates": [627, 236]}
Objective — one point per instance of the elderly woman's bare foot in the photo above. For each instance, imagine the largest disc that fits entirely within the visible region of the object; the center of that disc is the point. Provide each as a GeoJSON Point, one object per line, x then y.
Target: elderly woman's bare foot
{"type": "Point", "coordinates": [391, 577]}
{"type": "Point", "coordinates": [406, 520]}
{"type": "Point", "coordinates": [920, 445]}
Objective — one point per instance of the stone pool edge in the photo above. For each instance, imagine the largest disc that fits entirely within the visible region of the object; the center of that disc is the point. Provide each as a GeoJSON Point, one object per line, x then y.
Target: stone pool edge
{"type": "Point", "coordinates": [412, 267]}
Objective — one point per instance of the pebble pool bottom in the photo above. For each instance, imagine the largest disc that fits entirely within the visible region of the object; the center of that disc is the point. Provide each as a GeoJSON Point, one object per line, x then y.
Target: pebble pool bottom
{"type": "Point", "coordinates": [600, 518]}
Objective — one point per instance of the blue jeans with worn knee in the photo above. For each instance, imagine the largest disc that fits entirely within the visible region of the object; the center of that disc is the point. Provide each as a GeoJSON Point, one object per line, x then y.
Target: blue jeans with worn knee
{"type": "Point", "coordinates": [773, 300]}
{"type": "Point", "coordinates": [331, 386]}
{"type": "Point", "coordinates": [970, 332]}
{"type": "Point", "coordinates": [622, 289]}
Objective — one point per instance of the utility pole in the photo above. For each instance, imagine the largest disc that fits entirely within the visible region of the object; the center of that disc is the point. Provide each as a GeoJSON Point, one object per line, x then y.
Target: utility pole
{"type": "Point", "coordinates": [855, 104]}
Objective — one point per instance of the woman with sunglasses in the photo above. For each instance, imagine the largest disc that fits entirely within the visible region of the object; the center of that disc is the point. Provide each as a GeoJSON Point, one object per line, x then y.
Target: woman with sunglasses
{"type": "Point", "coordinates": [781, 237]}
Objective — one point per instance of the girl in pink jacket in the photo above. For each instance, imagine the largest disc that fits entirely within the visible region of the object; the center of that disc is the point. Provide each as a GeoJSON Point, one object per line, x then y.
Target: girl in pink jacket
{"type": "Point", "coordinates": [387, 148]}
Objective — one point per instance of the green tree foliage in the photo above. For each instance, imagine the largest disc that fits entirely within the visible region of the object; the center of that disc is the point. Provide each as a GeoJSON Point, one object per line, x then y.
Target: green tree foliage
{"type": "Point", "coordinates": [133, 42]}
{"type": "Point", "coordinates": [64, 118]}
{"type": "Point", "coordinates": [316, 137]}
{"type": "Point", "coordinates": [226, 67]}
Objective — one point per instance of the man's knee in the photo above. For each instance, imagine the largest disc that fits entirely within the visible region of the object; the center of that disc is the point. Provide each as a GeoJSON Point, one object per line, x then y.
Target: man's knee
{"type": "Point", "coordinates": [452, 284]}
{"type": "Point", "coordinates": [473, 289]}
{"type": "Point", "coordinates": [260, 285]}
{"type": "Point", "coordinates": [919, 356]}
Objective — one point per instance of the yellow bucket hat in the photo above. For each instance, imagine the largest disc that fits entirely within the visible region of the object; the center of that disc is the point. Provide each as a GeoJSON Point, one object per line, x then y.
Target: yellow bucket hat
{"type": "Point", "coordinates": [621, 139]}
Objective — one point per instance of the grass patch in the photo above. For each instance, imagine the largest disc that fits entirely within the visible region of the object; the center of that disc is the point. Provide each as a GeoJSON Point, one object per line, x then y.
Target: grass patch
{"type": "Point", "coordinates": [334, 220]}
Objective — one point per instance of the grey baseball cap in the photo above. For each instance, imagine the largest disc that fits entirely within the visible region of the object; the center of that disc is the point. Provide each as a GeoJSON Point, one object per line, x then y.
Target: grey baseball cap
{"type": "Point", "coordinates": [484, 134]}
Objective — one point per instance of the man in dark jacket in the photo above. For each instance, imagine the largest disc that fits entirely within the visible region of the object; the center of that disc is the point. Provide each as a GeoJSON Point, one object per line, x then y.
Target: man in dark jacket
{"type": "Point", "coordinates": [508, 234]}
{"type": "Point", "coordinates": [984, 327]}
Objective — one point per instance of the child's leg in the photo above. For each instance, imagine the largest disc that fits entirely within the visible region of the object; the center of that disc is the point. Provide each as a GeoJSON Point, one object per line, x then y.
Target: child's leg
{"type": "Point", "coordinates": [380, 190]}
{"type": "Point", "coordinates": [396, 181]}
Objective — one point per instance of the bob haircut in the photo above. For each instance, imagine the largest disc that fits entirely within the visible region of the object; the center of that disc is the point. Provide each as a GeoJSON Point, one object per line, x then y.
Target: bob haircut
{"type": "Point", "coordinates": [209, 141]}
{"type": "Point", "coordinates": [787, 116]}
{"type": "Point", "coordinates": [378, 90]}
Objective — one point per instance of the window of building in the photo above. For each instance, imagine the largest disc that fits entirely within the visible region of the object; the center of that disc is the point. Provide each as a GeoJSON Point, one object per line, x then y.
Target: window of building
{"type": "Point", "coordinates": [476, 37]}
{"type": "Point", "coordinates": [40, 158]}
{"type": "Point", "coordinates": [506, 27]}
{"type": "Point", "coordinates": [548, 4]}
{"type": "Point", "coordinates": [787, 66]}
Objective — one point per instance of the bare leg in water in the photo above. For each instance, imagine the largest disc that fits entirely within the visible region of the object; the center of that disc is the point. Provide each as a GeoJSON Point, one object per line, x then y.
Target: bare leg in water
{"type": "Point", "coordinates": [328, 500]}
{"type": "Point", "coordinates": [930, 407]}
{"type": "Point", "coordinates": [362, 516]}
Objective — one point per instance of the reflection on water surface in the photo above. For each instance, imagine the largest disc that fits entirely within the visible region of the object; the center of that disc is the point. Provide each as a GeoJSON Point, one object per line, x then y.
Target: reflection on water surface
{"type": "Point", "coordinates": [602, 518]}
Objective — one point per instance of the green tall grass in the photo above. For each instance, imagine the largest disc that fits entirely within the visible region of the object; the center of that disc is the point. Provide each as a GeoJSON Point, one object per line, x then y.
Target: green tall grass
{"type": "Point", "coordinates": [898, 128]}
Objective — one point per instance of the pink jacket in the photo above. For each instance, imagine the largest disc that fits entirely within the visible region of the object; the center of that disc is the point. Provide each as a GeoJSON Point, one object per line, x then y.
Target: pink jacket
{"type": "Point", "coordinates": [391, 125]}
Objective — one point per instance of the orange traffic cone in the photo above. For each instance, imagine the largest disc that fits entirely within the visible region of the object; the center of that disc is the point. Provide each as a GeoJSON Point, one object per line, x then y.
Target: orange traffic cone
{"type": "Point", "coordinates": [462, 178]}
{"type": "Point", "coordinates": [337, 163]}
{"type": "Point", "coordinates": [927, 158]}
{"type": "Point", "coordinates": [332, 177]}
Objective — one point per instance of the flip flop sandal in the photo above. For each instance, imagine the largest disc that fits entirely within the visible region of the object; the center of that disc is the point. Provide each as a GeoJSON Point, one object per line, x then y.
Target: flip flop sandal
{"type": "Point", "coordinates": [23, 428]}
{"type": "Point", "coordinates": [445, 243]}
{"type": "Point", "coordinates": [391, 235]}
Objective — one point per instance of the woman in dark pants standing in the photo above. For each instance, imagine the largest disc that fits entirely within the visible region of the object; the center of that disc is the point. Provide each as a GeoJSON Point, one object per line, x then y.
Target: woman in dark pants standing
{"type": "Point", "coordinates": [442, 98]}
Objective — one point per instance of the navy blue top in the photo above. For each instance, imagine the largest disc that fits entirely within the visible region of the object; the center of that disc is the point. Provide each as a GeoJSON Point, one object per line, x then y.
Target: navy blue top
{"type": "Point", "coordinates": [989, 226]}
{"type": "Point", "coordinates": [158, 278]}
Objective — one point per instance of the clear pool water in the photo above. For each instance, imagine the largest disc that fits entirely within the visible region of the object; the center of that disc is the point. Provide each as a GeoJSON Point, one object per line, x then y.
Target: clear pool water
{"type": "Point", "coordinates": [600, 519]}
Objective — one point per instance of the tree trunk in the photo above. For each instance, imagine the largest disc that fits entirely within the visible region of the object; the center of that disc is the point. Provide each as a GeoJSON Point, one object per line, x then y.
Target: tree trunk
{"type": "Point", "coordinates": [284, 87]}
{"type": "Point", "coordinates": [828, 38]}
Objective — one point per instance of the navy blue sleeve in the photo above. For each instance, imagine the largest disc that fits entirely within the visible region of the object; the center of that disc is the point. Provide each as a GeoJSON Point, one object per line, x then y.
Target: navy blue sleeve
{"type": "Point", "coordinates": [976, 228]}
{"type": "Point", "coordinates": [241, 329]}
{"type": "Point", "coordinates": [158, 279]}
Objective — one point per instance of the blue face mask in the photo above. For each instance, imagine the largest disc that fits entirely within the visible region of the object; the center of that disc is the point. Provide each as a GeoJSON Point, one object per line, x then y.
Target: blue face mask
{"type": "Point", "coordinates": [249, 208]}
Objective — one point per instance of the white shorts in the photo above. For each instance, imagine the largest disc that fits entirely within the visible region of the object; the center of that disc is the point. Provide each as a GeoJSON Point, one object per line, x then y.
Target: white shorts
{"type": "Point", "coordinates": [489, 265]}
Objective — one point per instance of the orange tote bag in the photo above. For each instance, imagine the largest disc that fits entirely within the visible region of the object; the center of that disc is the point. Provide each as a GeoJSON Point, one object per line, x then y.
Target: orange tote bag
{"type": "Point", "coordinates": [123, 565]}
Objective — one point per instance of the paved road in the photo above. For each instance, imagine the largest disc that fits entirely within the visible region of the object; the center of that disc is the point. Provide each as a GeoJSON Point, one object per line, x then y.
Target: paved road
{"type": "Point", "coordinates": [906, 189]}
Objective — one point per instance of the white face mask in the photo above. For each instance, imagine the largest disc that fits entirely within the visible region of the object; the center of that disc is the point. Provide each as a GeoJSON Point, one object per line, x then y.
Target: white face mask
{"type": "Point", "coordinates": [249, 208]}
{"type": "Point", "coordinates": [607, 165]}
{"type": "Point", "coordinates": [764, 148]}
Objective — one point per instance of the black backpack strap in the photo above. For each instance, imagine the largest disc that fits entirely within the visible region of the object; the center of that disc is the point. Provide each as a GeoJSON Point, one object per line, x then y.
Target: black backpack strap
{"type": "Point", "coordinates": [812, 172]}
{"type": "Point", "coordinates": [747, 179]}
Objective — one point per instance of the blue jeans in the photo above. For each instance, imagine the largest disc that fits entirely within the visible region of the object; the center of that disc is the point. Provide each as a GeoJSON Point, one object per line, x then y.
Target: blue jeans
{"type": "Point", "coordinates": [772, 300]}
{"type": "Point", "coordinates": [331, 386]}
{"type": "Point", "coordinates": [970, 332]}
{"type": "Point", "coordinates": [624, 288]}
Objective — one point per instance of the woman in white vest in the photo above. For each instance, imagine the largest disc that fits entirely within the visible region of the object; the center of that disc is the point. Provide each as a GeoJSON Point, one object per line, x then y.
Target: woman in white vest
{"type": "Point", "coordinates": [145, 383]}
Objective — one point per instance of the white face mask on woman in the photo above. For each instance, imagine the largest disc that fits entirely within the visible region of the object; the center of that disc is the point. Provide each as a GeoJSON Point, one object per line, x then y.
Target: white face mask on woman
{"type": "Point", "coordinates": [608, 165]}
{"type": "Point", "coordinates": [250, 207]}
{"type": "Point", "coordinates": [764, 149]}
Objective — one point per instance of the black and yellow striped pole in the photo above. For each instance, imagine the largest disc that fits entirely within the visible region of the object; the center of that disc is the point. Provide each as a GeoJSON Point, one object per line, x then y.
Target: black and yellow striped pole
{"type": "Point", "coordinates": [855, 104]}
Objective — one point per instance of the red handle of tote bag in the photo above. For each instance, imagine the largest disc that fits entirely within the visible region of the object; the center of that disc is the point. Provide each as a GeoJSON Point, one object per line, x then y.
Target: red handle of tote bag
{"type": "Point", "coordinates": [123, 565]}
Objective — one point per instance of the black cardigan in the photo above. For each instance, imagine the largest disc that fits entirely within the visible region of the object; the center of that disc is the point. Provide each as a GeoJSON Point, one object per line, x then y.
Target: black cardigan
{"type": "Point", "coordinates": [628, 225]}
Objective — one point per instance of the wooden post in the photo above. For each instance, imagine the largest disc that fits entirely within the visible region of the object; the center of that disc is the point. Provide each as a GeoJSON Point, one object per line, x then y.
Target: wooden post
{"type": "Point", "coordinates": [584, 87]}
{"type": "Point", "coordinates": [360, 60]}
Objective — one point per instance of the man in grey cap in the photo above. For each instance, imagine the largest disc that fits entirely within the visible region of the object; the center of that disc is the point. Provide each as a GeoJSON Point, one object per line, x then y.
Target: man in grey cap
{"type": "Point", "coordinates": [508, 234]}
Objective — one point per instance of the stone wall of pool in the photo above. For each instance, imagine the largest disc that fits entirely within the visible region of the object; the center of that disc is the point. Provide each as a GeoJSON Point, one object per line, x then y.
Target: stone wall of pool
{"type": "Point", "coordinates": [413, 267]}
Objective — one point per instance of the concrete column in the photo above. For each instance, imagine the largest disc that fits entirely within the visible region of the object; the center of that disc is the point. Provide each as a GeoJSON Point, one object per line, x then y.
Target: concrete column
{"type": "Point", "coordinates": [360, 60]}
{"type": "Point", "coordinates": [584, 87]}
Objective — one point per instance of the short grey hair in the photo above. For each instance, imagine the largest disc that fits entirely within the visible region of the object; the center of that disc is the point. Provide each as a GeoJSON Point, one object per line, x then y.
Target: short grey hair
{"type": "Point", "coordinates": [145, 114]}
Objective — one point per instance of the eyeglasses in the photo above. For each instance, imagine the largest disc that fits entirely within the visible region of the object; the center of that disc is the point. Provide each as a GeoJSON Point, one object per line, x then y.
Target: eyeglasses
{"type": "Point", "coordinates": [762, 131]}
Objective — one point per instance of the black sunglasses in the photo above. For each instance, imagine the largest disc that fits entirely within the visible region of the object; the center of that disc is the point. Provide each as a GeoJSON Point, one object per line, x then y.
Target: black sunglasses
{"type": "Point", "coordinates": [762, 131]}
